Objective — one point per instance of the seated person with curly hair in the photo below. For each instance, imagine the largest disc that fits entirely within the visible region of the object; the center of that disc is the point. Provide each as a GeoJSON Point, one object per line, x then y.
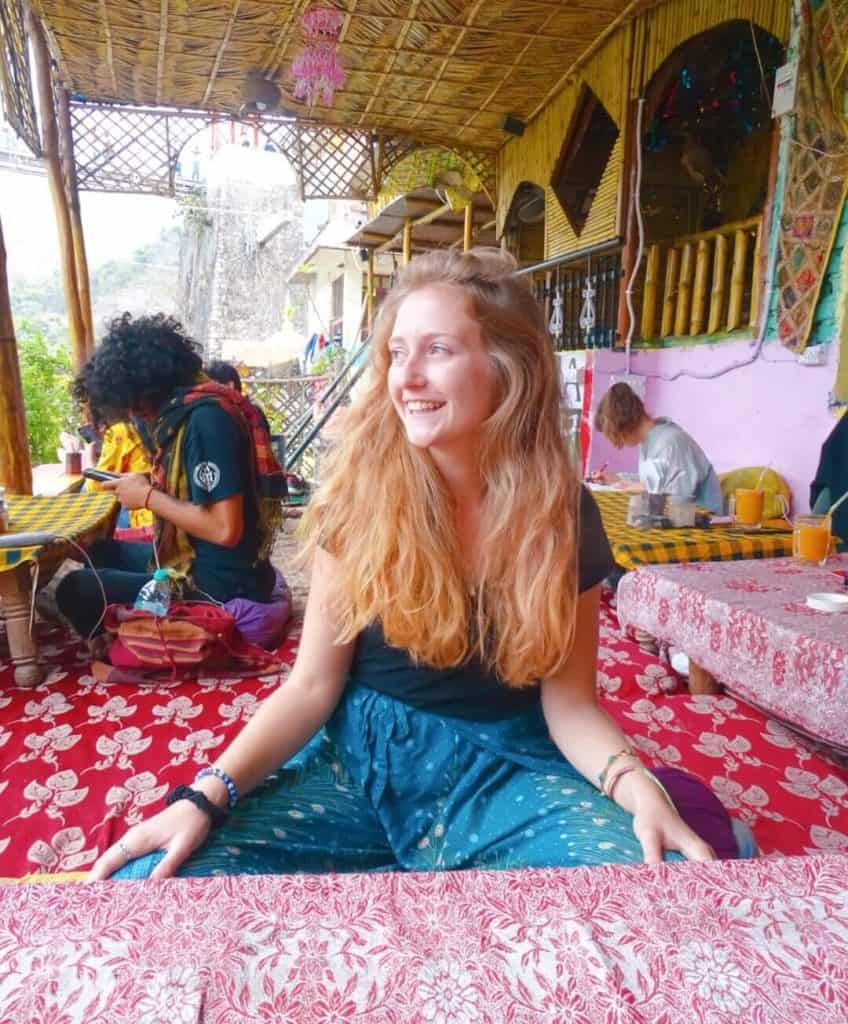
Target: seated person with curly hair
{"type": "Point", "coordinates": [670, 461]}
{"type": "Point", "coordinates": [215, 485]}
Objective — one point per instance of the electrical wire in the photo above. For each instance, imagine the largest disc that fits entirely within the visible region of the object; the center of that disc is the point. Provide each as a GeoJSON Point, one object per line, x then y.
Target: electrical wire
{"type": "Point", "coordinates": [635, 201]}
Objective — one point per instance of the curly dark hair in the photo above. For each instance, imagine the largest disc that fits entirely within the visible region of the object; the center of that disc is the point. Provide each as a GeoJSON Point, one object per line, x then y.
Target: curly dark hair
{"type": "Point", "coordinates": [136, 367]}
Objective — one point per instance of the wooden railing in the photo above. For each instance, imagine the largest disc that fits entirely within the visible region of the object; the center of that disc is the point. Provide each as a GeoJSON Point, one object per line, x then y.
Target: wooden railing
{"type": "Point", "coordinates": [707, 283]}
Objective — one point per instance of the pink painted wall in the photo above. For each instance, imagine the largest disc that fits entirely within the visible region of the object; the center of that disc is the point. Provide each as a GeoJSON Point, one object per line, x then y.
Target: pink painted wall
{"type": "Point", "coordinates": [774, 410]}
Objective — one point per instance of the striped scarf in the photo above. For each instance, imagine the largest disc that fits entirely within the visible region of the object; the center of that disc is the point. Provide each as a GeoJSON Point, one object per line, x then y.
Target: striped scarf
{"type": "Point", "coordinates": [267, 478]}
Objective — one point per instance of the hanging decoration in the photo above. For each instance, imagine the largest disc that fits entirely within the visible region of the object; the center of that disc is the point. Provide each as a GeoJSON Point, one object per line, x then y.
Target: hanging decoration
{"type": "Point", "coordinates": [317, 70]}
{"type": "Point", "coordinates": [555, 326]}
{"type": "Point", "coordinates": [587, 312]}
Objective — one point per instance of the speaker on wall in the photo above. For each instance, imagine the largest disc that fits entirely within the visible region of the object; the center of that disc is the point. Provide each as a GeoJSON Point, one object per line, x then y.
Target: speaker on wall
{"type": "Point", "coordinates": [512, 124]}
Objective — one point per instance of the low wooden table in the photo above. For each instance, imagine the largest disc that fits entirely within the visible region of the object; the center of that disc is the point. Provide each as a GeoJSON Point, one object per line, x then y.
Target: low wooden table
{"type": "Point", "coordinates": [83, 518]}
{"type": "Point", "coordinates": [746, 626]}
{"type": "Point", "coordinates": [632, 546]}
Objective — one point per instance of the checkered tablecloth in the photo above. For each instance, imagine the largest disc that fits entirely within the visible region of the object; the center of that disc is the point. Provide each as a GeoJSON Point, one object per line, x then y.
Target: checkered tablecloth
{"type": "Point", "coordinates": [70, 515]}
{"type": "Point", "coordinates": [632, 546]}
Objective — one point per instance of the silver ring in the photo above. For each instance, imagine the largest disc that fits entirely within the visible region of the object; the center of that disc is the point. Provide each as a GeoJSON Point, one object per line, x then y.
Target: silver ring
{"type": "Point", "coordinates": [125, 850]}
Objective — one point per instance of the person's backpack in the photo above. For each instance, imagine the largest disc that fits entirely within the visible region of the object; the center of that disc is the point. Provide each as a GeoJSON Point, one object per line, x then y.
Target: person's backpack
{"type": "Point", "coordinates": [194, 639]}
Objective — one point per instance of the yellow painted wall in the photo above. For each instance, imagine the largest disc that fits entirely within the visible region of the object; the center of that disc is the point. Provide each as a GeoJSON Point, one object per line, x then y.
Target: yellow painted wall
{"type": "Point", "coordinates": [617, 74]}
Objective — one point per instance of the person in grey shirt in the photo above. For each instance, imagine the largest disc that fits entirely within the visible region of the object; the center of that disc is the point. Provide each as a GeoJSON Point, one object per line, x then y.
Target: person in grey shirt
{"type": "Point", "coordinates": [670, 461]}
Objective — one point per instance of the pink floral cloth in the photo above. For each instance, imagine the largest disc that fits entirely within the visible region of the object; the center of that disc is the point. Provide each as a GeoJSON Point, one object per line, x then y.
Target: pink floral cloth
{"type": "Point", "coordinates": [747, 623]}
{"type": "Point", "coordinates": [760, 941]}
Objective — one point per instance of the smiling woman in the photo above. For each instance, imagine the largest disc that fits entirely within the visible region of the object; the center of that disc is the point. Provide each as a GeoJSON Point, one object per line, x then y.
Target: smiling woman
{"type": "Point", "coordinates": [442, 711]}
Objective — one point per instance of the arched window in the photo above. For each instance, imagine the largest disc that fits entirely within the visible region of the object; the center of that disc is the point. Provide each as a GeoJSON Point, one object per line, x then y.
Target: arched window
{"type": "Point", "coordinates": [524, 229]}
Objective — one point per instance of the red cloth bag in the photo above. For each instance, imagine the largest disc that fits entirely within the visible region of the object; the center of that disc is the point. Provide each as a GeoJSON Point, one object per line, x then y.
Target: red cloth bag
{"type": "Point", "coordinates": [194, 639]}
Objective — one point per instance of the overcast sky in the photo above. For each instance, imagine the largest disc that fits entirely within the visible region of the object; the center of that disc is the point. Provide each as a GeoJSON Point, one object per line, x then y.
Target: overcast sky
{"type": "Point", "coordinates": [114, 225]}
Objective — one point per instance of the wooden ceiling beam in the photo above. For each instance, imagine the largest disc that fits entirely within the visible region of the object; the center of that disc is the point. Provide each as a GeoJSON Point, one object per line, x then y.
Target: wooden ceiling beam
{"type": "Point", "coordinates": [631, 10]}
{"type": "Point", "coordinates": [110, 57]}
{"type": "Point", "coordinates": [220, 55]}
{"type": "Point", "coordinates": [472, 14]}
{"type": "Point", "coordinates": [163, 42]}
{"type": "Point", "coordinates": [272, 65]}
{"type": "Point", "coordinates": [516, 63]}
{"type": "Point", "coordinates": [401, 38]}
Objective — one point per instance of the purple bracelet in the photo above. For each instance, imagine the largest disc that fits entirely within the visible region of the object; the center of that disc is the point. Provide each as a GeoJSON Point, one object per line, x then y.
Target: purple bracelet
{"type": "Point", "coordinates": [232, 792]}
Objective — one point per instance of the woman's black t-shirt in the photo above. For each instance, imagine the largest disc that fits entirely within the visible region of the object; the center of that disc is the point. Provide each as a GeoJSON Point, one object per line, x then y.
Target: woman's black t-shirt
{"type": "Point", "coordinates": [470, 690]}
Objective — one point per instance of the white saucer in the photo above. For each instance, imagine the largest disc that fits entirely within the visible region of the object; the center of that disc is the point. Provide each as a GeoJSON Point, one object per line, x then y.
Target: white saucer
{"type": "Point", "coordinates": [828, 602]}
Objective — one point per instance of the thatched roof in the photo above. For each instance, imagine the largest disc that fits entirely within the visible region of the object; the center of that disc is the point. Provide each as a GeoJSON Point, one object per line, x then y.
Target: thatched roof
{"type": "Point", "coordinates": [432, 69]}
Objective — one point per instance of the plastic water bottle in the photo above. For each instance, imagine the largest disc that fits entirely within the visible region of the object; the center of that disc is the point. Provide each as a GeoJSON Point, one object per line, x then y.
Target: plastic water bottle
{"type": "Point", "coordinates": [155, 595]}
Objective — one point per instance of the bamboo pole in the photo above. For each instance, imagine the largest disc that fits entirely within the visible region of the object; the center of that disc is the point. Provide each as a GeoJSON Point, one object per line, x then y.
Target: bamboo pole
{"type": "Point", "coordinates": [684, 290]}
{"type": "Point", "coordinates": [699, 289]}
{"type": "Point", "coordinates": [369, 284]}
{"type": "Point", "coordinates": [15, 468]}
{"type": "Point", "coordinates": [757, 280]}
{"type": "Point", "coordinates": [649, 292]}
{"type": "Point", "coordinates": [66, 137]}
{"type": "Point", "coordinates": [468, 227]}
{"type": "Point", "coordinates": [719, 291]}
{"type": "Point", "coordinates": [672, 269]}
{"type": "Point", "coordinates": [407, 240]}
{"type": "Point", "coordinates": [50, 145]}
{"type": "Point", "coordinates": [737, 280]}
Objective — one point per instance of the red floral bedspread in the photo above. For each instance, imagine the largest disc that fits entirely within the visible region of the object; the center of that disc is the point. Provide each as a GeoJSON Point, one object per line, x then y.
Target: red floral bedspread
{"type": "Point", "coordinates": [762, 941]}
{"type": "Point", "coordinates": [82, 761]}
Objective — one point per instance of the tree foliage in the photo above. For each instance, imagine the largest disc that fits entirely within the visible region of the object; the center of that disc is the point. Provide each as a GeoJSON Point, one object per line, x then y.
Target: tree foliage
{"type": "Point", "coordinates": [46, 375]}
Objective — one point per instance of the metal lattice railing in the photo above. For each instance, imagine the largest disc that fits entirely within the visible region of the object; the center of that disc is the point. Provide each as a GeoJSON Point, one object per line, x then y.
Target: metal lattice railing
{"type": "Point", "coordinates": [136, 149]}
{"type": "Point", "coordinates": [15, 77]}
{"type": "Point", "coordinates": [287, 402]}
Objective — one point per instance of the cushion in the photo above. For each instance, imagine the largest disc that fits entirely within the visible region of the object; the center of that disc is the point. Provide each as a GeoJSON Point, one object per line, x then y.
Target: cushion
{"type": "Point", "coordinates": [772, 483]}
{"type": "Point", "coordinates": [263, 623]}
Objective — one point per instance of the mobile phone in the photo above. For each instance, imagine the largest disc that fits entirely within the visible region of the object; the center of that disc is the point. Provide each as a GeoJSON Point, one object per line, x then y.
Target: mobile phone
{"type": "Point", "coordinates": [100, 475]}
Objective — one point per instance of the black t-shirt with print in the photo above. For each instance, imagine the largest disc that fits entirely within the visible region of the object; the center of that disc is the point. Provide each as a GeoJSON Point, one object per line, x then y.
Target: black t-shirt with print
{"type": "Point", "coordinates": [216, 458]}
{"type": "Point", "coordinates": [471, 690]}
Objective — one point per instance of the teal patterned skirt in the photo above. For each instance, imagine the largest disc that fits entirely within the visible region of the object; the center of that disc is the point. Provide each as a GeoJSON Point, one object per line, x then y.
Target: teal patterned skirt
{"type": "Point", "coordinates": [388, 787]}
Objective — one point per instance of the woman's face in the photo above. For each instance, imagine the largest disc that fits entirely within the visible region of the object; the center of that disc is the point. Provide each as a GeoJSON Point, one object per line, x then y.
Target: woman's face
{"type": "Point", "coordinates": [441, 380]}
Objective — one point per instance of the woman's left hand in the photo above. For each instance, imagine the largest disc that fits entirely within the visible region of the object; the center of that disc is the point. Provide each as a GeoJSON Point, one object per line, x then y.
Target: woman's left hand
{"type": "Point", "coordinates": [131, 490]}
{"type": "Point", "coordinates": [659, 827]}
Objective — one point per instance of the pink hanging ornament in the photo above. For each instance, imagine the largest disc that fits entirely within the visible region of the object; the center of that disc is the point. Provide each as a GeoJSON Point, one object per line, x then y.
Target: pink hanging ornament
{"type": "Point", "coordinates": [322, 23]}
{"type": "Point", "coordinates": [317, 69]}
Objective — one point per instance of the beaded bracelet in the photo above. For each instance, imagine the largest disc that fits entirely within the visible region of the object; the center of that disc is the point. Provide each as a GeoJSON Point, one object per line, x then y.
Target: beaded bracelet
{"type": "Point", "coordinates": [232, 792]}
{"type": "Point", "coordinates": [602, 777]}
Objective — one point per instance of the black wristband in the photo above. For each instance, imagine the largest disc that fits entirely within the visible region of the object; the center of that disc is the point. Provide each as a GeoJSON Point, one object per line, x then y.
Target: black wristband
{"type": "Point", "coordinates": [200, 801]}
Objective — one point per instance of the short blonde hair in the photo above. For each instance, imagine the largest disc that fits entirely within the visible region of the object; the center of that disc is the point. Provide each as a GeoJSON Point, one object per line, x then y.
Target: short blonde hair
{"type": "Point", "coordinates": [619, 414]}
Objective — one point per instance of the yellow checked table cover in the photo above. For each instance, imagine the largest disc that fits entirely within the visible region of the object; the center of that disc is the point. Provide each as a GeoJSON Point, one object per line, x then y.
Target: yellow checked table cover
{"type": "Point", "coordinates": [69, 515]}
{"type": "Point", "coordinates": [632, 546]}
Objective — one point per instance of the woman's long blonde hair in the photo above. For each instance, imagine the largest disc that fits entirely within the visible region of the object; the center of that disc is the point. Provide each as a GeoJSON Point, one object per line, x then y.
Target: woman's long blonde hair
{"type": "Point", "coordinates": [386, 515]}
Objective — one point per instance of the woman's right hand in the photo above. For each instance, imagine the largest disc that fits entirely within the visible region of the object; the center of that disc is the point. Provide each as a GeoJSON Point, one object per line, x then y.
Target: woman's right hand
{"type": "Point", "coordinates": [178, 830]}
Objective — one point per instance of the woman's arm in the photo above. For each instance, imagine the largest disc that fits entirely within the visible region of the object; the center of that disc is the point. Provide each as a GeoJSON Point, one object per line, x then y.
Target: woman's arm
{"type": "Point", "coordinates": [281, 726]}
{"type": "Point", "coordinates": [302, 704]}
{"type": "Point", "coordinates": [588, 737]}
{"type": "Point", "coordinates": [220, 522]}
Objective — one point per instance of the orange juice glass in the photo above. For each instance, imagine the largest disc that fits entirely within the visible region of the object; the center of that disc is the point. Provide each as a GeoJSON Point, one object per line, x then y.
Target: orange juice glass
{"type": "Point", "coordinates": [811, 538]}
{"type": "Point", "coordinates": [747, 506]}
